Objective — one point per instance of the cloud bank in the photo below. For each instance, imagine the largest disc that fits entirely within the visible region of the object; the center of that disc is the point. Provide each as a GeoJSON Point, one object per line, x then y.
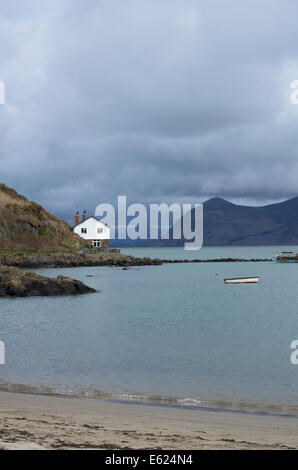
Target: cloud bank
{"type": "Point", "coordinates": [160, 100]}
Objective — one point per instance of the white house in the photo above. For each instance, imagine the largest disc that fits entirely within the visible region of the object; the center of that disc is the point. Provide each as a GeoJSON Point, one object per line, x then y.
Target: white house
{"type": "Point", "coordinates": [93, 230]}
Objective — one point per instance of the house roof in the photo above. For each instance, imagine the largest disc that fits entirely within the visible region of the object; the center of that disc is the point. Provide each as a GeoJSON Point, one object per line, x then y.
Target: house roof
{"type": "Point", "coordinates": [90, 217]}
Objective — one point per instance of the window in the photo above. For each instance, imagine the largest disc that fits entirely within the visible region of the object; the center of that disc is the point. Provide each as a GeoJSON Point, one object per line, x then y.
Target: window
{"type": "Point", "coordinates": [83, 230]}
{"type": "Point", "coordinates": [99, 230]}
{"type": "Point", "coordinates": [96, 243]}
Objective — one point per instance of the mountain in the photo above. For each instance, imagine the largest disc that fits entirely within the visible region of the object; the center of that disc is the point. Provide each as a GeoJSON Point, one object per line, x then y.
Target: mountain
{"type": "Point", "coordinates": [26, 225]}
{"type": "Point", "coordinates": [228, 224]}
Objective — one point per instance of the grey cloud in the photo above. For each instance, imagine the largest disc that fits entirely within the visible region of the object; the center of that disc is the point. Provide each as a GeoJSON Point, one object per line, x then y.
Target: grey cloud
{"type": "Point", "coordinates": [164, 100]}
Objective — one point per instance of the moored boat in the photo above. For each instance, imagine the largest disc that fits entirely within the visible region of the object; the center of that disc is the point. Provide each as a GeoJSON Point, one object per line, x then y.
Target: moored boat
{"type": "Point", "coordinates": [242, 280]}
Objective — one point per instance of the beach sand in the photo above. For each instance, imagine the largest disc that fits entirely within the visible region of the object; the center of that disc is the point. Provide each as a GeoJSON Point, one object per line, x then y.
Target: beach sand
{"type": "Point", "coordinates": [44, 422]}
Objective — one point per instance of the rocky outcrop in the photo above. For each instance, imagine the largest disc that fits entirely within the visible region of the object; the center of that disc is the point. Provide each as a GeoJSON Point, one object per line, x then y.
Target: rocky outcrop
{"type": "Point", "coordinates": [15, 283]}
{"type": "Point", "coordinates": [60, 260]}
{"type": "Point", "coordinates": [57, 260]}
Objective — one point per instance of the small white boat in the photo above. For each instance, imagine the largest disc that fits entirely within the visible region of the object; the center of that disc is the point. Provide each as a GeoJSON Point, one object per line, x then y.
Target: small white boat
{"type": "Point", "coordinates": [242, 280]}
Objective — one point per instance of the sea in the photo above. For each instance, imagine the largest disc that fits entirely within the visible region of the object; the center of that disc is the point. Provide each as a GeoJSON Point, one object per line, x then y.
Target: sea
{"type": "Point", "coordinates": [173, 335]}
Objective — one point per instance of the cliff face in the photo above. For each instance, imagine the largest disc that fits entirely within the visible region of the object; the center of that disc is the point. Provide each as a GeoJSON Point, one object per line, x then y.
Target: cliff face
{"type": "Point", "coordinates": [26, 225]}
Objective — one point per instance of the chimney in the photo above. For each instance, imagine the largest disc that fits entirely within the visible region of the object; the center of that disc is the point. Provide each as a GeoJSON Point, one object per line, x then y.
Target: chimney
{"type": "Point", "coordinates": [77, 218]}
{"type": "Point", "coordinates": [84, 215]}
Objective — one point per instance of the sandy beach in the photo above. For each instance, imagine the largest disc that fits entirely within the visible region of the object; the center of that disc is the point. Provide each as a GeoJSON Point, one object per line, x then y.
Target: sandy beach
{"type": "Point", "coordinates": [43, 422]}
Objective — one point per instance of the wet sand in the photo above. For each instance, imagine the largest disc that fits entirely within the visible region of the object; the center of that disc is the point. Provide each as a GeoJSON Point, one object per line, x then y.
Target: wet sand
{"type": "Point", "coordinates": [44, 422]}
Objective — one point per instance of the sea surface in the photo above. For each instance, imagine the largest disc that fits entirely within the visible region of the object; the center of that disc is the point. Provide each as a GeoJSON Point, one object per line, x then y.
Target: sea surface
{"type": "Point", "coordinates": [172, 334]}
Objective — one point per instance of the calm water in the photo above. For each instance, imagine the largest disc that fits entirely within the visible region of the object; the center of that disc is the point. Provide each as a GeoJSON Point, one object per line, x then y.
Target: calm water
{"type": "Point", "coordinates": [166, 331]}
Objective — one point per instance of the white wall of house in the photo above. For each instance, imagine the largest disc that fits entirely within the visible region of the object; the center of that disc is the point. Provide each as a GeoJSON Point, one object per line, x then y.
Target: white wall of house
{"type": "Point", "coordinates": [92, 229]}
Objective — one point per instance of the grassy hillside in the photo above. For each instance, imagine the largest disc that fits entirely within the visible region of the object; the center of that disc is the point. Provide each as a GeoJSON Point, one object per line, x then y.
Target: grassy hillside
{"type": "Point", "coordinates": [26, 225]}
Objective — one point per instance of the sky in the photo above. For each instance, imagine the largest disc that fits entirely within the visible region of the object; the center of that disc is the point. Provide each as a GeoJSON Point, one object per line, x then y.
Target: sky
{"type": "Point", "coordinates": [158, 100]}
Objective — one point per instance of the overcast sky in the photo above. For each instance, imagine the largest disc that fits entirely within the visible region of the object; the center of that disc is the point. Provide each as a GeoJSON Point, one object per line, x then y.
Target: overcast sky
{"type": "Point", "coordinates": [159, 100]}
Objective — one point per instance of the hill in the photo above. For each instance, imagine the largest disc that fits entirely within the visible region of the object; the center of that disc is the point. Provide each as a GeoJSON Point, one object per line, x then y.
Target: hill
{"type": "Point", "coordinates": [27, 225]}
{"type": "Point", "coordinates": [230, 224]}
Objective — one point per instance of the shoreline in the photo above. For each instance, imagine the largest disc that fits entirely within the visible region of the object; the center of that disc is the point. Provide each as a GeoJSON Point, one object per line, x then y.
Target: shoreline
{"type": "Point", "coordinates": [240, 407]}
{"type": "Point", "coordinates": [74, 260]}
{"type": "Point", "coordinates": [45, 422]}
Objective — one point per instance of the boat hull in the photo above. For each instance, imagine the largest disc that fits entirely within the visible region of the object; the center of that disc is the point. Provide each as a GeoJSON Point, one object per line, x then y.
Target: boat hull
{"type": "Point", "coordinates": [242, 280]}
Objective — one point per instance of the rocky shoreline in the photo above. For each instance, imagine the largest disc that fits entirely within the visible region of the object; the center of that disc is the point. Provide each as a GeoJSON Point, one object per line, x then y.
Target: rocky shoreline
{"type": "Point", "coordinates": [218, 260]}
{"type": "Point", "coordinates": [57, 260]}
{"type": "Point", "coordinates": [15, 283]}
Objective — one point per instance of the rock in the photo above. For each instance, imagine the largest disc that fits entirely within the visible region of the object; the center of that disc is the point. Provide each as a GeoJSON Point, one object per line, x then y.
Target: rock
{"type": "Point", "coordinates": [61, 260]}
{"type": "Point", "coordinates": [15, 283]}
{"type": "Point", "coordinates": [69, 260]}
